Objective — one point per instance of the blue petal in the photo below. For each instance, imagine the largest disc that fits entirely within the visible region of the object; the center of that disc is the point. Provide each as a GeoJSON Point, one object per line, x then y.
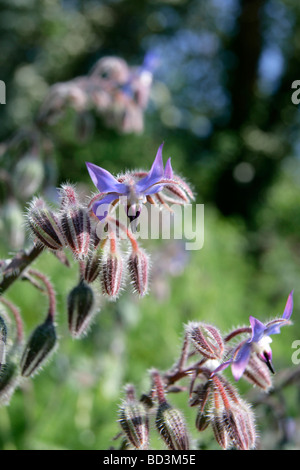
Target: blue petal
{"type": "Point", "coordinates": [241, 360]}
{"type": "Point", "coordinates": [155, 174]}
{"type": "Point", "coordinates": [101, 208]}
{"type": "Point", "coordinates": [258, 329]}
{"type": "Point", "coordinates": [221, 367]}
{"type": "Point", "coordinates": [288, 307]}
{"type": "Point", "coordinates": [168, 170]}
{"type": "Point", "coordinates": [104, 180]}
{"type": "Point", "coordinates": [273, 327]}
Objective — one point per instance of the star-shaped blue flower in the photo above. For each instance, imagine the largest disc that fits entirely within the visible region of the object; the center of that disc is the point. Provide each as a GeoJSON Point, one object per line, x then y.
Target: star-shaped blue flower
{"type": "Point", "coordinates": [259, 342]}
{"type": "Point", "coordinates": [134, 190]}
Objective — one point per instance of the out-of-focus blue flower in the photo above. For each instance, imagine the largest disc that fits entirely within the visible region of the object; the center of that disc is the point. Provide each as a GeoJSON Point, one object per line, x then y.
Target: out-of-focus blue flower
{"type": "Point", "coordinates": [134, 190]}
{"type": "Point", "coordinates": [259, 342]}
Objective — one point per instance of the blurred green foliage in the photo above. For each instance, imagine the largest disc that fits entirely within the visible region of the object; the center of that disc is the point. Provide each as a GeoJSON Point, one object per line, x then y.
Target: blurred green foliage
{"type": "Point", "coordinates": [221, 101]}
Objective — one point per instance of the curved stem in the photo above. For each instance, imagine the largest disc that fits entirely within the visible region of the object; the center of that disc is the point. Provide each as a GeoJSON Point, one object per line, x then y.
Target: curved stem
{"type": "Point", "coordinates": [129, 234]}
{"type": "Point", "coordinates": [236, 332]}
{"type": "Point", "coordinates": [16, 313]}
{"type": "Point", "coordinates": [49, 289]}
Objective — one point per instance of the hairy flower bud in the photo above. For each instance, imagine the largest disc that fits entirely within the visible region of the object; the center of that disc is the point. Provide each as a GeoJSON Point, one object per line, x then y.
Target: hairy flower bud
{"type": "Point", "coordinates": [134, 422]}
{"type": "Point", "coordinates": [202, 420]}
{"type": "Point", "coordinates": [171, 426]}
{"type": "Point", "coordinates": [200, 398]}
{"type": "Point", "coordinates": [92, 267]}
{"type": "Point", "coordinates": [76, 227]}
{"type": "Point", "coordinates": [206, 339]}
{"type": "Point", "coordinates": [75, 222]}
{"type": "Point", "coordinates": [68, 196]}
{"type": "Point", "coordinates": [138, 266]}
{"type": "Point", "coordinates": [219, 430]}
{"type": "Point", "coordinates": [39, 346]}
{"type": "Point", "coordinates": [112, 273]}
{"type": "Point", "coordinates": [45, 225]}
{"type": "Point", "coordinates": [236, 424]}
{"type": "Point", "coordinates": [258, 373]}
{"type": "Point", "coordinates": [80, 309]}
{"type": "Point", "coordinates": [232, 418]}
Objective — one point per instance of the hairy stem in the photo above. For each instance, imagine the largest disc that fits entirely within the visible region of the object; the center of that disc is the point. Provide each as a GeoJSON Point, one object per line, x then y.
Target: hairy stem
{"type": "Point", "coordinates": [17, 265]}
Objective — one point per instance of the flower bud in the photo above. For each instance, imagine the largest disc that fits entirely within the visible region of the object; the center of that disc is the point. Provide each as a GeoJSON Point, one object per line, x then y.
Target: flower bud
{"type": "Point", "coordinates": [138, 265]}
{"type": "Point", "coordinates": [134, 422]}
{"type": "Point", "coordinates": [45, 225]}
{"type": "Point", "coordinates": [258, 373]}
{"type": "Point", "coordinates": [92, 266]}
{"type": "Point", "coordinates": [39, 346]}
{"type": "Point", "coordinates": [219, 431]}
{"type": "Point", "coordinates": [200, 395]}
{"type": "Point", "coordinates": [200, 398]}
{"type": "Point", "coordinates": [112, 273]}
{"type": "Point", "coordinates": [68, 196]}
{"type": "Point", "coordinates": [171, 426]}
{"type": "Point", "coordinates": [236, 423]}
{"type": "Point", "coordinates": [76, 227]}
{"type": "Point", "coordinates": [206, 339]}
{"type": "Point", "coordinates": [80, 309]}
{"type": "Point", "coordinates": [232, 418]}
{"type": "Point", "coordinates": [202, 420]}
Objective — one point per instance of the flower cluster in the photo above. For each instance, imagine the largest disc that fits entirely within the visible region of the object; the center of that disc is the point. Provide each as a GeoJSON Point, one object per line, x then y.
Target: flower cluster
{"type": "Point", "coordinates": [218, 402]}
{"type": "Point", "coordinates": [103, 264]}
{"type": "Point", "coordinates": [100, 253]}
{"type": "Point", "coordinates": [117, 92]}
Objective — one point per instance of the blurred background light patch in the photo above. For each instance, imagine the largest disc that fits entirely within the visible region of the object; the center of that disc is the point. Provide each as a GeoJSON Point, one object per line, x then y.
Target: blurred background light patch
{"type": "Point", "coordinates": [244, 172]}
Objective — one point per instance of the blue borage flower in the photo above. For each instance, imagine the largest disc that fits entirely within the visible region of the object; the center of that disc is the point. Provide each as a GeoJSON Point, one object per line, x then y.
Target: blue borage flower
{"type": "Point", "coordinates": [136, 188]}
{"type": "Point", "coordinates": [259, 342]}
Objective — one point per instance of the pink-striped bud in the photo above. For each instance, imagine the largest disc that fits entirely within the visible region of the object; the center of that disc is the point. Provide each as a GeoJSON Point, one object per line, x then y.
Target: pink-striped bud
{"type": "Point", "coordinates": [68, 196]}
{"type": "Point", "coordinates": [219, 430]}
{"type": "Point", "coordinates": [232, 418]}
{"type": "Point", "coordinates": [138, 267]}
{"type": "Point", "coordinates": [45, 225]}
{"type": "Point", "coordinates": [258, 373]}
{"type": "Point", "coordinates": [76, 227]}
{"type": "Point", "coordinates": [169, 421]}
{"type": "Point", "coordinates": [75, 222]}
{"type": "Point", "coordinates": [134, 421]}
{"type": "Point", "coordinates": [112, 272]}
{"type": "Point", "coordinates": [206, 339]}
{"type": "Point", "coordinates": [172, 428]}
{"type": "Point", "coordinates": [92, 267]}
{"type": "Point", "coordinates": [240, 427]}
